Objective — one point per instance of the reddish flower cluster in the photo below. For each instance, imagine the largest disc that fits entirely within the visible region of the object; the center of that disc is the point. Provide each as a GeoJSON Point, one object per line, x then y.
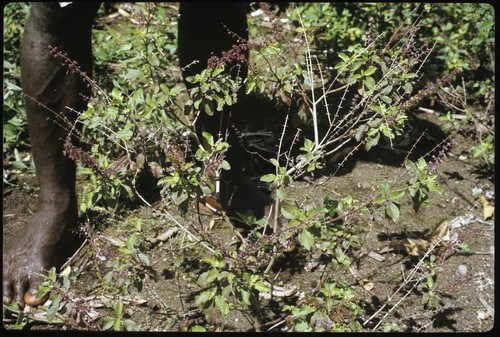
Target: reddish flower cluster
{"type": "Point", "coordinates": [431, 88]}
{"type": "Point", "coordinates": [73, 66]}
{"type": "Point", "coordinates": [175, 153]}
{"type": "Point", "coordinates": [85, 158]}
{"type": "Point", "coordinates": [236, 55]}
{"type": "Point", "coordinates": [437, 159]}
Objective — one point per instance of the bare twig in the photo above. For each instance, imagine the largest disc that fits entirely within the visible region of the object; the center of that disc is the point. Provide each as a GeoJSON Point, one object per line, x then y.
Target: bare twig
{"type": "Point", "coordinates": [406, 280]}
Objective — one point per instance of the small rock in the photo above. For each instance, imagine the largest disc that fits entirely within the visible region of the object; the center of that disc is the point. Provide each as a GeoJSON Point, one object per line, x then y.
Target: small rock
{"type": "Point", "coordinates": [490, 195]}
{"type": "Point", "coordinates": [476, 191]}
{"type": "Point", "coordinates": [462, 269]}
{"type": "Point", "coordinates": [481, 315]}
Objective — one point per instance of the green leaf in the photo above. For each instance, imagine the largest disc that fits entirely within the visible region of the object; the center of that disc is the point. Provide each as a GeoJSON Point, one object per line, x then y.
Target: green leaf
{"type": "Point", "coordinates": [369, 83]}
{"type": "Point", "coordinates": [221, 146]}
{"type": "Point", "coordinates": [206, 296]}
{"type": "Point", "coordinates": [197, 328]}
{"type": "Point", "coordinates": [117, 323]}
{"type": "Point", "coordinates": [131, 241]}
{"type": "Point", "coordinates": [144, 259]}
{"type": "Point", "coordinates": [218, 71]}
{"type": "Point", "coordinates": [386, 99]}
{"type": "Point", "coordinates": [212, 261]}
{"type": "Point", "coordinates": [225, 166]}
{"type": "Point", "coordinates": [344, 259]}
{"type": "Point", "coordinates": [370, 71]}
{"type": "Point", "coordinates": [250, 87]}
{"type": "Point", "coordinates": [396, 195]}
{"type": "Point", "coordinates": [54, 307]}
{"type": "Point", "coordinates": [245, 297]}
{"type": "Point", "coordinates": [372, 142]}
{"type": "Point", "coordinates": [209, 138]}
{"type": "Point", "coordinates": [311, 167]}
{"type": "Point", "coordinates": [107, 323]}
{"type": "Point", "coordinates": [304, 311]}
{"type": "Point", "coordinates": [292, 213]}
{"type": "Point", "coordinates": [164, 88]}
{"type": "Point", "coordinates": [408, 88]}
{"type": "Point", "coordinates": [280, 193]}
{"type": "Point", "coordinates": [208, 277]}
{"type": "Point", "coordinates": [306, 239]}
{"type": "Point", "coordinates": [344, 57]}
{"type": "Point", "coordinates": [204, 87]}
{"type": "Point", "coordinates": [261, 287]}
{"type": "Point", "coordinates": [268, 178]}
{"type": "Point", "coordinates": [139, 160]}
{"type": "Point", "coordinates": [118, 308]}
{"type": "Point", "coordinates": [124, 250]}
{"type": "Point", "coordinates": [356, 65]}
{"type": "Point", "coordinates": [52, 275]}
{"type": "Point", "coordinates": [384, 189]}
{"type": "Point", "coordinates": [392, 211]}
{"type": "Point", "coordinates": [486, 26]}
{"type": "Point", "coordinates": [308, 145]}
{"type": "Point", "coordinates": [430, 282]}
{"type": "Point", "coordinates": [208, 107]}
{"type": "Point", "coordinates": [274, 162]}
{"type": "Point", "coordinates": [221, 304]}
{"type": "Point", "coordinates": [176, 90]}
{"type": "Point", "coordinates": [18, 163]}
{"type": "Point", "coordinates": [133, 75]}
{"type": "Point", "coordinates": [124, 134]}
{"type": "Point", "coordinates": [202, 154]}
{"type": "Point", "coordinates": [433, 187]}
{"type": "Point", "coordinates": [130, 325]}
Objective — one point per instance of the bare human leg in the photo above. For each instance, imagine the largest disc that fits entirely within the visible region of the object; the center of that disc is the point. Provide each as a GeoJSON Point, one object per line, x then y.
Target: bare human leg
{"type": "Point", "coordinates": [207, 29]}
{"type": "Point", "coordinates": [51, 94]}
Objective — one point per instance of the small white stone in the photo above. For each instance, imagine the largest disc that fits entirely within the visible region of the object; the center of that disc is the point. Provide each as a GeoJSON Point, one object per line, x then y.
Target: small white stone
{"type": "Point", "coordinates": [490, 195]}
{"type": "Point", "coordinates": [462, 269]}
{"type": "Point", "coordinates": [476, 191]}
{"type": "Point", "coordinates": [482, 315]}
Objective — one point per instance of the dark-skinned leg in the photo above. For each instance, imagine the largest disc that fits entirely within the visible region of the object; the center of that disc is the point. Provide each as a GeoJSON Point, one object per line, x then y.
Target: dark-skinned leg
{"type": "Point", "coordinates": [50, 89]}
{"type": "Point", "coordinates": [203, 31]}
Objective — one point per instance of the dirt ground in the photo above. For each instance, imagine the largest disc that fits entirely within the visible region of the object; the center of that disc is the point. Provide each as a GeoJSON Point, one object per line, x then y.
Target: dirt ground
{"type": "Point", "coordinates": [465, 280]}
{"type": "Point", "coordinates": [382, 278]}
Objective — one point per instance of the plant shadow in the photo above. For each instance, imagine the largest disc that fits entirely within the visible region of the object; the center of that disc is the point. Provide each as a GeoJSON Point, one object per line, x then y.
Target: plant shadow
{"type": "Point", "coordinates": [268, 127]}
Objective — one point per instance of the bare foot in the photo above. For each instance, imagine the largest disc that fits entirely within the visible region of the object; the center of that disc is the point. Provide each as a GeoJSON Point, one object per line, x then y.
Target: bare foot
{"type": "Point", "coordinates": [38, 248]}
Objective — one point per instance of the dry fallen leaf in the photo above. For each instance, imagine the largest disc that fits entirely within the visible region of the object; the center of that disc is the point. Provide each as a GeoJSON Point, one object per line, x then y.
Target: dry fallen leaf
{"type": "Point", "coordinates": [488, 208]}
{"type": "Point", "coordinates": [440, 232]}
{"type": "Point", "coordinates": [416, 247]}
{"type": "Point", "coordinates": [156, 169]}
{"type": "Point", "coordinates": [367, 285]}
{"type": "Point", "coordinates": [209, 205]}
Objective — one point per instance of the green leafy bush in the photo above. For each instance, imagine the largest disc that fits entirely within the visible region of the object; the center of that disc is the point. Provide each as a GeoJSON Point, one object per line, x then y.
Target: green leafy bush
{"type": "Point", "coordinates": [14, 115]}
{"type": "Point", "coordinates": [357, 70]}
